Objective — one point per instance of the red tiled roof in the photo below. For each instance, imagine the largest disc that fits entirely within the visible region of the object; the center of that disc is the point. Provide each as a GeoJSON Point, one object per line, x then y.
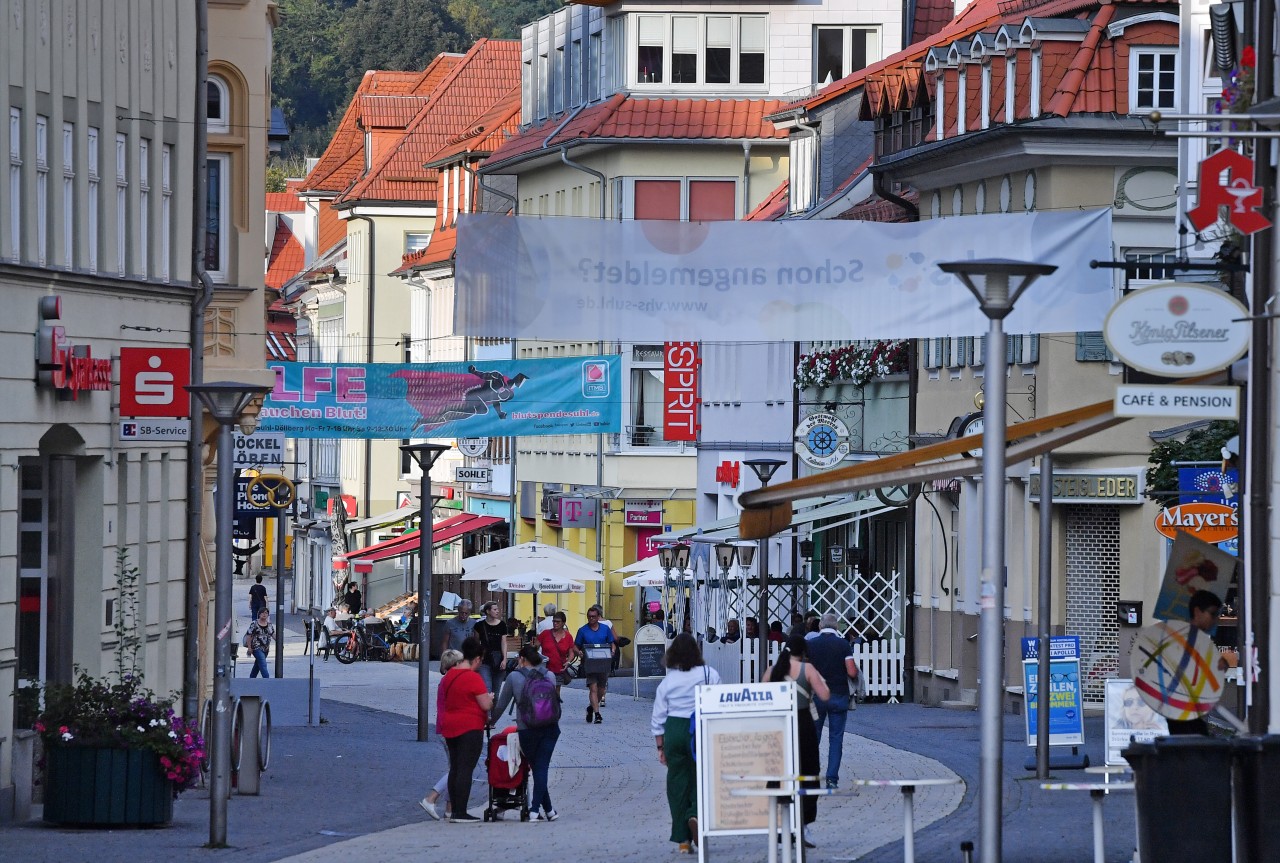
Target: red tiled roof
{"type": "Point", "coordinates": [774, 206]}
{"type": "Point", "coordinates": [282, 333]}
{"type": "Point", "coordinates": [284, 202]}
{"type": "Point", "coordinates": [651, 118]}
{"type": "Point", "coordinates": [331, 229]}
{"type": "Point", "coordinates": [389, 112]}
{"type": "Point", "coordinates": [343, 159]}
{"type": "Point", "coordinates": [877, 209]}
{"type": "Point", "coordinates": [931, 17]}
{"type": "Point", "coordinates": [444, 240]}
{"type": "Point", "coordinates": [287, 257]}
{"type": "Point", "coordinates": [487, 132]}
{"type": "Point", "coordinates": [484, 76]}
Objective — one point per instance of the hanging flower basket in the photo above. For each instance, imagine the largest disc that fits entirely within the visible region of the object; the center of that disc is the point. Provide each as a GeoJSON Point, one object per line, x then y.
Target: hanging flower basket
{"type": "Point", "coordinates": [852, 364]}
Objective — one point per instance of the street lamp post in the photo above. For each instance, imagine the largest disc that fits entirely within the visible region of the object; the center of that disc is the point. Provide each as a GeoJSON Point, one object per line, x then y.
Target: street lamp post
{"type": "Point", "coordinates": [764, 469]}
{"type": "Point", "coordinates": [425, 454]}
{"type": "Point", "coordinates": [225, 401]}
{"type": "Point", "coordinates": [996, 299]}
{"type": "Point", "coordinates": [673, 557]}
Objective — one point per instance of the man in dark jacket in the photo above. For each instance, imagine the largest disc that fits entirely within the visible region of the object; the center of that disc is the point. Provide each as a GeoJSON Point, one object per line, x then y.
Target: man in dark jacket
{"type": "Point", "coordinates": [832, 655]}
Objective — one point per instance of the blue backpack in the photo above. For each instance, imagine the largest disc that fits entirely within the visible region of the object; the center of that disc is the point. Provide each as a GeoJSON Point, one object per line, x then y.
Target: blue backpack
{"type": "Point", "coordinates": [538, 705]}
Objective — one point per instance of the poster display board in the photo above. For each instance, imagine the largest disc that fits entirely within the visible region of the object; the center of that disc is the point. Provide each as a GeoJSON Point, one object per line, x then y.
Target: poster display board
{"type": "Point", "coordinates": [650, 644]}
{"type": "Point", "coordinates": [1066, 707]}
{"type": "Point", "coordinates": [1128, 718]}
{"type": "Point", "coordinates": [746, 729]}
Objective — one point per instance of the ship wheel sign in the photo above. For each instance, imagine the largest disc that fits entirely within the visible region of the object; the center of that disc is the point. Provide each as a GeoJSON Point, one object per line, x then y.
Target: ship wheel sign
{"type": "Point", "coordinates": [822, 440]}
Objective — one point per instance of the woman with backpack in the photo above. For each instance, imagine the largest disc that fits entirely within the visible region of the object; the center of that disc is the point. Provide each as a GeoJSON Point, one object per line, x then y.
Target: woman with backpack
{"type": "Point", "coordinates": [537, 698]}
{"type": "Point", "coordinates": [673, 707]}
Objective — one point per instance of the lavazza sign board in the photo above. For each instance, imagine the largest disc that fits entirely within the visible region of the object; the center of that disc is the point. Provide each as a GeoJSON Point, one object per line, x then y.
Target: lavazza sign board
{"type": "Point", "coordinates": [1176, 330]}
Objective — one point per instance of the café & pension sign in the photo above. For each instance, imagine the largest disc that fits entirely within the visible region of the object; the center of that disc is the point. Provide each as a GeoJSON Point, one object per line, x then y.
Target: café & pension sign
{"type": "Point", "coordinates": [1121, 487]}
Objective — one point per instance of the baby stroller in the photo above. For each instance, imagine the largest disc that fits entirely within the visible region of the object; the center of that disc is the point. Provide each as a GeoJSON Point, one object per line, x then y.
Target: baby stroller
{"type": "Point", "coordinates": [507, 790]}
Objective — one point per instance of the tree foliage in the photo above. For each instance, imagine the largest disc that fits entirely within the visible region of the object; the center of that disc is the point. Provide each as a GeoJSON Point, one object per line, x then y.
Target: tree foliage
{"type": "Point", "coordinates": [1202, 444]}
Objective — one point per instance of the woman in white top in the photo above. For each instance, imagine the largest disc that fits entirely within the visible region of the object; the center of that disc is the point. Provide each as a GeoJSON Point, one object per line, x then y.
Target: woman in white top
{"type": "Point", "coordinates": [672, 708]}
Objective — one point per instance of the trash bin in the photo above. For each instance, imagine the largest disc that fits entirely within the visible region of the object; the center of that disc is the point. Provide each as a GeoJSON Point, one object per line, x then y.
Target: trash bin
{"type": "Point", "coordinates": [1257, 814]}
{"type": "Point", "coordinates": [1183, 787]}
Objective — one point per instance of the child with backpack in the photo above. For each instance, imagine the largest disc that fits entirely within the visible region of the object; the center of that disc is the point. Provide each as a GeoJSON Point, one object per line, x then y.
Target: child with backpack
{"type": "Point", "coordinates": [533, 690]}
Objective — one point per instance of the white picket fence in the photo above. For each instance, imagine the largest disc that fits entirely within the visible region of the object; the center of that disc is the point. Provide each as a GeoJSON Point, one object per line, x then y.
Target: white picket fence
{"type": "Point", "coordinates": [881, 663]}
{"type": "Point", "coordinates": [882, 666]}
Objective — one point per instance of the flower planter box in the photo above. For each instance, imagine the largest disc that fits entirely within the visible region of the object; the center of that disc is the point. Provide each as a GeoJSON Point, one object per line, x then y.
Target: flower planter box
{"type": "Point", "coordinates": [90, 787]}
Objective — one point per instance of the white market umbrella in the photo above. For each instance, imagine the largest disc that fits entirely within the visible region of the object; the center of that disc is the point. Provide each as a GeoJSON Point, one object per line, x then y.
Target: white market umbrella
{"type": "Point", "coordinates": [539, 553]}
{"type": "Point", "coordinates": [657, 578]}
{"type": "Point", "coordinates": [538, 582]}
{"type": "Point", "coordinates": [528, 564]}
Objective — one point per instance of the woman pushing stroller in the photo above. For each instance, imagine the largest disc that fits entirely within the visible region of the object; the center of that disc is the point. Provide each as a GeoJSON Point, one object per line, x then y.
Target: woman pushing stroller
{"type": "Point", "coordinates": [533, 689]}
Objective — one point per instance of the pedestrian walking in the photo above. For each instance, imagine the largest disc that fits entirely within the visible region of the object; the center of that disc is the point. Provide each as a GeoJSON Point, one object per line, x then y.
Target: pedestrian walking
{"type": "Point", "coordinates": [557, 646]}
{"type": "Point", "coordinates": [1203, 609]}
{"type": "Point", "coordinates": [595, 634]}
{"type": "Point", "coordinates": [548, 618]}
{"type": "Point", "coordinates": [257, 597]}
{"type": "Point", "coordinates": [793, 665]}
{"type": "Point", "coordinates": [532, 688]}
{"type": "Point", "coordinates": [258, 639]}
{"type": "Point", "coordinates": [673, 706]}
{"type": "Point", "coordinates": [458, 628]}
{"type": "Point", "coordinates": [492, 631]}
{"type": "Point", "coordinates": [832, 655]}
{"type": "Point", "coordinates": [353, 599]}
{"type": "Point", "coordinates": [438, 797]}
{"type": "Point", "coordinates": [463, 706]}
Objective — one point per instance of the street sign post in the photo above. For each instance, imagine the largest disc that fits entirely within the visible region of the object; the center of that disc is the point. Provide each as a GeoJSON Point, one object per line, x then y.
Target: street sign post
{"type": "Point", "coordinates": [473, 474]}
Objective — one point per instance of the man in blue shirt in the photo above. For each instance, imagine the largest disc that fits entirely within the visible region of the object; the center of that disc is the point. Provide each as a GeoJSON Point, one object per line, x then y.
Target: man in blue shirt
{"type": "Point", "coordinates": [595, 634]}
{"type": "Point", "coordinates": [831, 654]}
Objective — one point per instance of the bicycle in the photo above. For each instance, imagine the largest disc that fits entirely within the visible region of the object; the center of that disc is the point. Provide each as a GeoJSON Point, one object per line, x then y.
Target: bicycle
{"type": "Point", "coordinates": [369, 639]}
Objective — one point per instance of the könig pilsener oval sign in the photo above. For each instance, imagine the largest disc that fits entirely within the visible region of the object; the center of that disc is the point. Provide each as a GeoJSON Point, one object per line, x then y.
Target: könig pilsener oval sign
{"type": "Point", "coordinates": [1176, 330]}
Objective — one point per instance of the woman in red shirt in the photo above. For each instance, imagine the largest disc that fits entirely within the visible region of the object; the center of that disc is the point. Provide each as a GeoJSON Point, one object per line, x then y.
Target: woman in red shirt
{"type": "Point", "coordinates": [557, 646]}
{"type": "Point", "coordinates": [463, 708]}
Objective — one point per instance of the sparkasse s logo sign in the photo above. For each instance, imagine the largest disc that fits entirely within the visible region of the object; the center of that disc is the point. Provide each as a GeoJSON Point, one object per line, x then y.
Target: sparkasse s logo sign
{"type": "Point", "coordinates": [152, 382]}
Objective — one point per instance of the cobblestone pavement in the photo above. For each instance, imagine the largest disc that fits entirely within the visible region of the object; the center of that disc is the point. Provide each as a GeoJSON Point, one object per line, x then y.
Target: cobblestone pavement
{"type": "Point", "coordinates": [347, 790]}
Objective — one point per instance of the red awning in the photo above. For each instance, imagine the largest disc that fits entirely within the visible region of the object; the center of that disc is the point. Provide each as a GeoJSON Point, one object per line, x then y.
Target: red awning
{"type": "Point", "coordinates": [443, 532]}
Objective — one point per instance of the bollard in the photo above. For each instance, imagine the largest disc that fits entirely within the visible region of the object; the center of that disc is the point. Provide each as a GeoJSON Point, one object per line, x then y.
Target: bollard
{"type": "Point", "coordinates": [966, 851]}
{"type": "Point", "coordinates": [254, 742]}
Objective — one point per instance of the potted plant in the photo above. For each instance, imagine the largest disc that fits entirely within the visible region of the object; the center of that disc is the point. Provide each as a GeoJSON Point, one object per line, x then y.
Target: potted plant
{"type": "Point", "coordinates": [115, 753]}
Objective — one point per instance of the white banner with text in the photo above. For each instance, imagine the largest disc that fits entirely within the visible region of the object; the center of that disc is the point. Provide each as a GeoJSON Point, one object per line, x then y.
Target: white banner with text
{"type": "Point", "coordinates": [566, 278]}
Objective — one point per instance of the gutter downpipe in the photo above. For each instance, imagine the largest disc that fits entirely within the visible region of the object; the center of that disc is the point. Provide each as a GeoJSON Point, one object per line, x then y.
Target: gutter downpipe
{"type": "Point", "coordinates": [368, 358]}
{"type": "Point", "coordinates": [195, 445]}
{"type": "Point", "coordinates": [475, 175]}
{"type": "Point", "coordinates": [746, 178]}
{"type": "Point", "coordinates": [604, 191]}
{"type": "Point", "coordinates": [879, 187]}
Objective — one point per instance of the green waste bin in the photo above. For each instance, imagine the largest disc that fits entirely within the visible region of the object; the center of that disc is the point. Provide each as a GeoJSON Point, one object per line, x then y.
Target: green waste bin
{"type": "Point", "coordinates": [1257, 813]}
{"type": "Point", "coordinates": [1183, 786]}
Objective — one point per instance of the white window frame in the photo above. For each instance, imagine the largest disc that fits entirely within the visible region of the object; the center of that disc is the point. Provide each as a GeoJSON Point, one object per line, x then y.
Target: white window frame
{"type": "Point", "coordinates": [962, 96]}
{"type": "Point", "coordinates": [15, 183]}
{"type": "Point", "coordinates": [42, 189]}
{"type": "Point", "coordinates": [416, 241]}
{"type": "Point", "coordinates": [873, 40]}
{"type": "Point", "coordinates": [735, 52]}
{"type": "Point", "coordinates": [984, 120]}
{"type": "Point", "coordinates": [68, 195]}
{"type": "Point", "coordinates": [1010, 88]}
{"type": "Point", "coordinates": [632, 365]}
{"type": "Point", "coordinates": [629, 193]}
{"type": "Point", "coordinates": [122, 203]}
{"type": "Point", "coordinates": [93, 158]}
{"type": "Point", "coordinates": [1137, 56]}
{"type": "Point", "coordinates": [802, 180]}
{"type": "Point", "coordinates": [940, 111]}
{"type": "Point", "coordinates": [166, 210]}
{"type": "Point", "coordinates": [444, 197]}
{"type": "Point", "coordinates": [1037, 68]}
{"type": "Point", "coordinates": [221, 273]}
{"type": "Point", "coordinates": [221, 123]}
{"type": "Point", "coordinates": [144, 207]}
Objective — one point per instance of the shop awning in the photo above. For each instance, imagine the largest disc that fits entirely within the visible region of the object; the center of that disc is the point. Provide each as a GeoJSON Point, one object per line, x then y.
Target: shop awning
{"type": "Point", "coordinates": [727, 528]}
{"type": "Point", "coordinates": [445, 531]}
{"type": "Point", "coordinates": [404, 513]}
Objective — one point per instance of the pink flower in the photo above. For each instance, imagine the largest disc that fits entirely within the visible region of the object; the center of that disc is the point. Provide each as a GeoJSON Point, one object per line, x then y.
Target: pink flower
{"type": "Point", "coordinates": [38, 727]}
{"type": "Point", "coordinates": [62, 729]}
{"type": "Point", "coordinates": [1248, 57]}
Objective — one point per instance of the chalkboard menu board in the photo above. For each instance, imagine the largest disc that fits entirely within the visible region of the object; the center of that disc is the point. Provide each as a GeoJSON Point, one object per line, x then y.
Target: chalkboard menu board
{"type": "Point", "coordinates": [649, 660]}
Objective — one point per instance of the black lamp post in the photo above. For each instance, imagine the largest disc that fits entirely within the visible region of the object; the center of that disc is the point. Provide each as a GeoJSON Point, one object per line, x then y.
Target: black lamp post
{"type": "Point", "coordinates": [764, 469]}
{"type": "Point", "coordinates": [225, 401]}
{"type": "Point", "coordinates": [995, 297]}
{"type": "Point", "coordinates": [670, 557]}
{"type": "Point", "coordinates": [425, 454]}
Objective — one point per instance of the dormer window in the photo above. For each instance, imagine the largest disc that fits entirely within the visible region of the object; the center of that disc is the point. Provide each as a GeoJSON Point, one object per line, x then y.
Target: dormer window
{"type": "Point", "coordinates": [700, 49]}
{"type": "Point", "coordinates": [1153, 79]}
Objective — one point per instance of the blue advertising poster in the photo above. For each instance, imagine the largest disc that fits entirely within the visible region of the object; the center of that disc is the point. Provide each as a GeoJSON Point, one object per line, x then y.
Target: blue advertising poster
{"type": "Point", "coordinates": [1066, 704]}
{"type": "Point", "coordinates": [1211, 485]}
{"type": "Point", "coordinates": [489, 398]}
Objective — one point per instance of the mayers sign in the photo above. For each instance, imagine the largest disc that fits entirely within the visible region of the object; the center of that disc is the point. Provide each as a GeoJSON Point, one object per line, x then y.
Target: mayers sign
{"type": "Point", "coordinates": [1176, 330]}
{"type": "Point", "coordinates": [1211, 522]}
